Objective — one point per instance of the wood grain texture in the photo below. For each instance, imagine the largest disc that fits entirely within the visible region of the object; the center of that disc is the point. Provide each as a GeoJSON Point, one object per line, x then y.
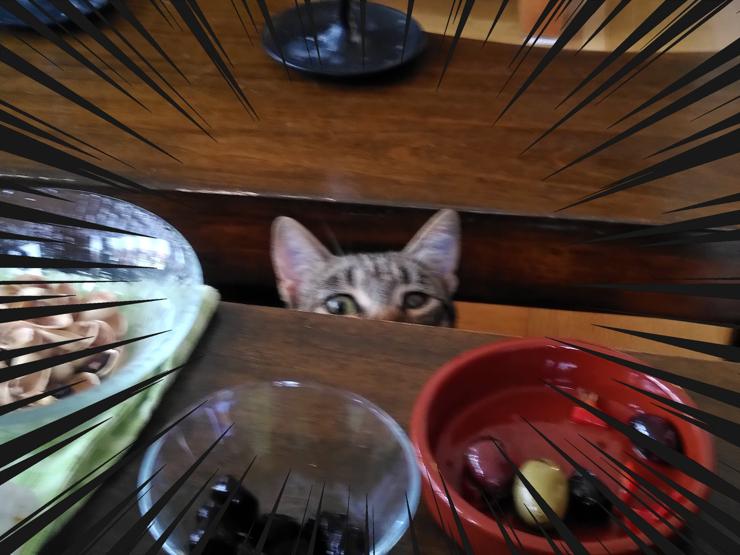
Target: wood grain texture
{"type": "Point", "coordinates": [538, 322]}
{"type": "Point", "coordinates": [520, 15]}
{"type": "Point", "coordinates": [246, 343]}
{"type": "Point", "coordinates": [396, 140]}
{"type": "Point", "coordinates": [506, 259]}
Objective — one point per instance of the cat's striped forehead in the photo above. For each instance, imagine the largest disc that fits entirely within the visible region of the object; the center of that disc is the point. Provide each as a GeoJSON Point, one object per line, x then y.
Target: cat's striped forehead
{"type": "Point", "coordinates": [378, 272]}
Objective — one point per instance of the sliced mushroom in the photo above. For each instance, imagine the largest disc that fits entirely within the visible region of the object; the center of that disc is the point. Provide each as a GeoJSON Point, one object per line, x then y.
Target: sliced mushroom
{"type": "Point", "coordinates": [61, 373]}
{"type": "Point", "coordinates": [103, 363]}
{"type": "Point", "coordinates": [83, 381]}
{"type": "Point", "coordinates": [86, 329]}
{"type": "Point", "coordinates": [32, 384]}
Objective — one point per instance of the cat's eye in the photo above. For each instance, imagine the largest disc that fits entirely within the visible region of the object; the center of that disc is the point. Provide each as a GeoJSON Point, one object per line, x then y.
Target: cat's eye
{"type": "Point", "coordinates": [415, 300]}
{"type": "Point", "coordinates": [341, 305]}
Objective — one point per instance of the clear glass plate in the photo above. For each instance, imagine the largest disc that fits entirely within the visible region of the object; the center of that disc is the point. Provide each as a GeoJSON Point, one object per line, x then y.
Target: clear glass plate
{"type": "Point", "coordinates": [167, 268]}
{"type": "Point", "coordinates": [323, 436]}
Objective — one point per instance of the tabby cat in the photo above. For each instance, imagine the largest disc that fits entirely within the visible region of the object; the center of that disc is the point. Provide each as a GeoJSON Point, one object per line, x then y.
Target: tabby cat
{"type": "Point", "coordinates": [414, 285]}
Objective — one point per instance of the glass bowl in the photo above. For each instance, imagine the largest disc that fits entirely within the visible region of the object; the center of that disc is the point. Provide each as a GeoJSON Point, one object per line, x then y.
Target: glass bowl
{"type": "Point", "coordinates": [165, 267]}
{"type": "Point", "coordinates": [324, 436]}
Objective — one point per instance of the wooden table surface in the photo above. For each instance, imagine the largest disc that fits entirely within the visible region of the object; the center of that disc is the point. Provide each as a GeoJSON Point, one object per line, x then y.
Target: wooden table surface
{"type": "Point", "coordinates": [387, 363]}
{"type": "Point", "coordinates": [397, 140]}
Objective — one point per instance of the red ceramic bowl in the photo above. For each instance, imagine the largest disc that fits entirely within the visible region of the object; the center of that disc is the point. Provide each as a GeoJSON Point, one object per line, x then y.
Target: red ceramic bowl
{"type": "Point", "coordinates": [486, 392]}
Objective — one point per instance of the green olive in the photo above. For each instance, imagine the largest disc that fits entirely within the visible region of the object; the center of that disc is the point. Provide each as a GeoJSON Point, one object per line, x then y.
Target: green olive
{"type": "Point", "coordinates": [550, 482]}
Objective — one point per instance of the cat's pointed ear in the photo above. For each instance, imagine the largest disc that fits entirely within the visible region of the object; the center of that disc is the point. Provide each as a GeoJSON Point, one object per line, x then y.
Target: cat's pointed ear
{"type": "Point", "coordinates": [296, 254]}
{"type": "Point", "coordinates": [437, 245]}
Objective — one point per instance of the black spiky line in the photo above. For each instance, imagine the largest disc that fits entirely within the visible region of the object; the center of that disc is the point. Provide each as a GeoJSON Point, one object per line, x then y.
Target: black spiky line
{"type": "Point", "coordinates": [661, 12]}
{"type": "Point", "coordinates": [36, 50]}
{"type": "Point", "coordinates": [95, 532]}
{"type": "Point", "coordinates": [185, 9]}
{"type": "Point", "coordinates": [62, 132]}
{"type": "Point", "coordinates": [664, 520]}
{"type": "Point", "coordinates": [249, 13]}
{"type": "Point", "coordinates": [543, 15]}
{"type": "Point", "coordinates": [722, 105]}
{"type": "Point", "coordinates": [695, 224]}
{"type": "Point", "coordinates": [134, 22]}
{"type": "Point", "coordinates": [665, 546]}
{"type": "Point", "coordinates": [559, 6]}
{"type": "Point", "coordinates": [304, 31]}
{"type": "Point", "coordinates": [696, 13]}
{"type": "Point", "coordinates": [20, 446]}
{"type": "Point", "coordinates": [499, 522]}
{"type": "Point", "coordinates": [133, 535]}
{"type": "Point", "coordinates": [460, 26]}
{"type": "Point", "coordinates": [686, 465]}
{"type": "Point", "coordinates": [161, 12]}
{"type": "Point", "coordinates": [721, 81]}
{"type": "Point", "coordinates": [21, 65]}
{"type": "Point", "coordinates": [312, 25]}
{"type": "Point", "coordinates": [37, 521]}
{"type": "Point", "coordinates": [716, 425]}
{"type": "Point", "coordinates": [581, 17]}
{"type": "Point", "coordinates": [727, 352]}
{"type": "Point", "coordinates": [715, 392]}
{"type": "Point", "coordinates": [715, 149]}
{"type": "Point", "coordinates": [243, 23]}
{"type": "Point", "coordinates": [21, 125]}
{"type": "Point", "coordinates": [449, 16]}
{"type": "Point", "coordinates": [692, 28]}
{"type": "Point", "coordinates": [608, 19]}
{"type": "Point", "coordinates": [273, 33]}
{"type": "Point", "coordinates": [203, 20]}
{"type": "Point", "coordinates": [15, 405]}
{"type": "Point", "coordinates": [297, 541]}
{"type": "Point", "coordinates": [32, 312]}
{"type": "Point", "coordinates": [496, 19]}
{"type": "Point", "coordinates": [315, 531]}
{"type": "Point", "coordinates": [11, 471]}
{"type": "Point", "coordinates": [266, 531]}
{"type": "Point", "coordinates": [406, 25]}
{"type": "Point", "coordinates": [464, 540]}
{"type": "Point", "coordinates": [566, 534]}
{"type": "Point", "coordinates": [167, 532]}
{"type": "Point", "coordinates": [709, 531]}
{"type": "Point", "coordinates": [28, 18]}
{"type": "Point", "coordinates": [86, 25]}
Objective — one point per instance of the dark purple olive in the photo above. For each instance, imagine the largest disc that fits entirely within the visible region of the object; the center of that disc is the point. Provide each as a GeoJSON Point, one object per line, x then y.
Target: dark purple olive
{"type": "Point", "coordinates": [657, 428]}
{"type": "Point", "coordinates": [489, 469]}
{"type": "Point", "coordinates": [587, 503]}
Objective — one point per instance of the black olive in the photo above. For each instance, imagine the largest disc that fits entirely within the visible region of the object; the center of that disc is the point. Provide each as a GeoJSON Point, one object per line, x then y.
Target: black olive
{"type": "Point", "coordinates": [657, 428]}
{"type": "Point", "coordinates": [220, 543]}
{"type": "Point", "coordinates": [243, 511]}
{"type": "Point", "coordinates": [223, 486]}
{"type": "Point", "coordinates": [340, 537]}
{"type": "Point", "coordinates": [206, 512]}
{"type": "Point", "coordinates": [62, 392]}
{"type": "Point", "coordinates": [587, 503]}
{"type": "Point", "coordinates": [282, 528]}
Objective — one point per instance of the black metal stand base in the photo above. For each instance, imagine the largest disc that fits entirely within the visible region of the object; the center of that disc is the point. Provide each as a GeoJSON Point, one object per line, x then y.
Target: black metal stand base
{"type": "Point", "coordinates": [322, 39]}
{"type": "Point", "coordinates": [48, 14]}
